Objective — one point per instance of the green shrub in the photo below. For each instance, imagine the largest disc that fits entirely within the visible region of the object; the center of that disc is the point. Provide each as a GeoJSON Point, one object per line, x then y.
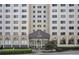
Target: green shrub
{"type": "Point", "coordinates": [15, 51]}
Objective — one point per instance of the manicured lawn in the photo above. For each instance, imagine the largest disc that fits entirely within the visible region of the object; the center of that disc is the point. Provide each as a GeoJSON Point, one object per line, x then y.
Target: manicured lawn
{"type": "Point", "coordinates": [15, 51]}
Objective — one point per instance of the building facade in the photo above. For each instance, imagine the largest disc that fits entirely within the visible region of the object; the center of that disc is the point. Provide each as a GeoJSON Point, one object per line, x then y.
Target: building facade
{"type": "Point", "coordinates": [33, 25]}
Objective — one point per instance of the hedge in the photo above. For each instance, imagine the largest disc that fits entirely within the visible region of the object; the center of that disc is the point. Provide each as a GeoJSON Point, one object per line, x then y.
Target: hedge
{"type": "Point", "coordinates": [15, 51]}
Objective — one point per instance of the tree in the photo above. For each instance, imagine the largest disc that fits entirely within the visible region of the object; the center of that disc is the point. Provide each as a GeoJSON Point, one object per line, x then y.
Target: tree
{"type": "Point", "coordinates": [51, 45]}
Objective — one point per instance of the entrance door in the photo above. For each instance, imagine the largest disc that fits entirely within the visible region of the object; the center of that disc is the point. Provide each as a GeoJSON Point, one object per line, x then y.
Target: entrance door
{"type": "Point", "coordinates": [39, 44]}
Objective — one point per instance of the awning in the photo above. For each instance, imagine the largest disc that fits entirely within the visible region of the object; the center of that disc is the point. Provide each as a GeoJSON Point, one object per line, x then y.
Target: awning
{"type": "Point", "coordinates": [39, 35]}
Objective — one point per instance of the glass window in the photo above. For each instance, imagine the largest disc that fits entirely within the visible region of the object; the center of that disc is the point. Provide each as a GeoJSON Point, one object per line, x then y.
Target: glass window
{"type": "Point", "coordinates": [23, 33]}
{"type": "Point", "coordinates": [7, 5]}
{"type": "Point", "coordinates": [63, 10]}
{"type": "Point", "coordinates": [0, 5]}
{"type": "Point", "coordinates": [54, 22]}
{"type": "Point", "coordinates": [7, 33]}
{"type": "Point", "coordinates": [24, 10]}
{"type": "Point", "coordinates": [15, 22]}
{"type": "Point", "coordinates": [24, 16]}
{"type": "Point", "coordinates": [0, 27]}
{"type": "Point", "coordinates": [15, 16]}
{"type": "Point", "coordinates": [62, 22]}
{"type": "Point", "coordinates": [71, 33]}
{"type": "Point", "coordinates": [63, 16]}
{"type": "Point", "coordinates": [15, 27]}
{"type": "Point", "coordinates": [71, 27]}
{"type": "Point", "coordinates": [7, 22]}
{"type": "Point", "coordinates": [24, 5]}
{"type": "Point", "coordinates": [54, 5]}
{"type": "Point", "coordinates": [54, 33]}
{"type": "Point", "coordinates": [15, 10]}
{"type": "Point", "coordinates": [16, 5]}
{"type": "Point", "coordinates": [0, 16]}
{"type": "Point", "coordinates": [54, 10]}
{"type": "Point", "coordinates": [39, 6]}
{"type": "Point", "coordinates": [71, 16]}
{"type": "Point", "coordinates": [71, 22]}
{"type": "Point", "coordinates": [7, 16]}
{"type": "Point", "coordinates": [7, 27]}
{"type": "Point", "coordinates": [0, 33]}
{"type": "Point", "coordinates": [54, 27]}
{"type": "Point", "coordinates": [62, 27]}
{"type": "Point", "coordinates": [54, 16]}
{"type": "Point", "coordinates": [24, 22]}
{"type": "Point", "coordinates": [23, 27]}
{"type": "Point", "coordinates": [63, 5]}
{"type": "Point", "coordinates": [62, 33]}
{"type": "Point", "coordinates": [71, 5]}
{"type": "Point", "coordinates": [71, 10]}
{"type": "Point", "coordinates": [7, 10]}
{"type": "Point", "coordinates": [0, 22]}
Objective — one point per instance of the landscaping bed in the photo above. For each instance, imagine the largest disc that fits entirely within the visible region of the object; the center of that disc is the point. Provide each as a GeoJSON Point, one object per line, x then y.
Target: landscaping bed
{"type": "Point", "coordinates": [15, 51]}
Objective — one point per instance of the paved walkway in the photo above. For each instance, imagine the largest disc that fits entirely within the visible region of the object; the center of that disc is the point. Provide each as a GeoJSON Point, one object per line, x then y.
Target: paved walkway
{"type": "Point", "coordinates": [56, 53]}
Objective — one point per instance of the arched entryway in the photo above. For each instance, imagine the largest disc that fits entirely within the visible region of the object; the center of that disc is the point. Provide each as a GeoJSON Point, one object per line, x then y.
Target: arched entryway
{"type": "Point", "coordinates": [71, 41]}
{"type": "Point", "coordinates": [63, 41]}
{"type": "Point", "coordinates": [38, 39]}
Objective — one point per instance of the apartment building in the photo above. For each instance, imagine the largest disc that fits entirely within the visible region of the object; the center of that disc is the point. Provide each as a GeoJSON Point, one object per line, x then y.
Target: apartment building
{"type": "Point", "coordinates": [33, 25]}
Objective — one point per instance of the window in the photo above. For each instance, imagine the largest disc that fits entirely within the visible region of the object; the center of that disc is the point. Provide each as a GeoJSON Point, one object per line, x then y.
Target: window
{"type": "Point", "coordinates": [62, 22]}
{"type": "Point", "coordinates": [7, 16]}
{"type": "Point", "coordinates": [39, 16]}
{"type": "Point", "coordinates": [24, 10]}
{"type": "Point", "coordinates": [54, 33]}
{"type": "Point", "coordinates": [15, 27]}
{"type": "Point", "coordinates": [15, 10]}
{"type": "Point", "coordinates": [38, 11]}
{"type": "Point", "coordinates": [0, 22]}
{"type": "Point", "coordinates": [24, 27]}
{"type": "Point", "coordinates": [33, 21]}
{"type": "Point", "coordinates": [44, 25]}
{"type": "Point", "coordinates": [71, 27]}
{"type": "Point", "coordinates": [54, 5]}
{"type": "Point", "coordinates": [78, 16]}
{"type": "Point", "coordinates": [62, 27]}
{"type": "Point", "coordinates": [15, 33]}
{"type": "Point", "coordinates": [15, 5]}
{"type": "Point", "coordinates": [24, 5]}
{"type": "Point", "coordinates": [78, 28]}
{"type": "Point", "coordinates": [33, 6]}
{"type": "Point", "coordinates": [33, 25]}
{"type": "Point", "coordinates": [54, 10]}
{"type": "Point", "coordinates": [71, 10]}
{"type": "Point", "coordinates": [7, 27]}
{"type": "Point", "coordinates": [54, 27]}
{"type": "Point", "coordinates": [7, 33]}
{"type": "Point", "coordinates": [54, 22]}
{"type": "Point", "coordinates": [78, 22]}
{"type": "Point", "coordinates": [0, 5]}
{"type": "Point", "coordinates": [0, 16]}
{"type": "Point", "coordinates": [44, 6]}
{"type": "Point", "coordinates": [0, 27]}
{"type": "Point", "coordinates": [44, 21]}
{"type": "Point", "coordinates": [0, 33]}
{"type": "Point", "coordinates": [24, 16]}
{"type": "Point", "coordinates": [7, 10]}
{"type": "Point", "coordinates": [62, 33]}
{"type": "Point", "coordinates": [78, 33]}
{"type": "Point", "coordinates": [24, 22]}
{"type": "Point", "coordinates": [71, 16]}
{"type": "Point", "coordinates": [33, 11]}
{"type": "Point", "coordinates": [63, 16]}
{"type": "Point", "coordinates": [71, 22]}
{"type": "Point", "coordinates": [44, 16]}
{"type": "Point", "coordinates": [0, 10]}
{"type": "Point", "coordinates": [7, 22]}
{"type": "Point", "coordinates": [71, 33]}
{"type": "Point", "coordinates": [63, 10]}
{"type": "Point", "coordinates": [33, 16]}
{"type": "Point", "coordinates": [38, 25]}
{"type": "Point", "coordinates": [15, 22]}
{"type": "Point", "coordinates": [7, 5]}
{"type": "Point", "coordinates": [63, 5]}
{"type": "Point", "coordinates": [39, 21]}
{"type": "Point", "coordinates": [54, 16]}
{"type": "Point", "coordinates": [15, 16]}
{"type": "Point", "coordinates": [23, 33]}
{"type": "Point", "coordinates": [71, 5]}
{"type": "Point", "coordinates": [38, 6]}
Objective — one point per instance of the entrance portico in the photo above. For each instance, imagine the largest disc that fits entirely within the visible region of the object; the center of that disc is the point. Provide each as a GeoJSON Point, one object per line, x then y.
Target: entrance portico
{"type": "Point", "coordinates": [38, 39]}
